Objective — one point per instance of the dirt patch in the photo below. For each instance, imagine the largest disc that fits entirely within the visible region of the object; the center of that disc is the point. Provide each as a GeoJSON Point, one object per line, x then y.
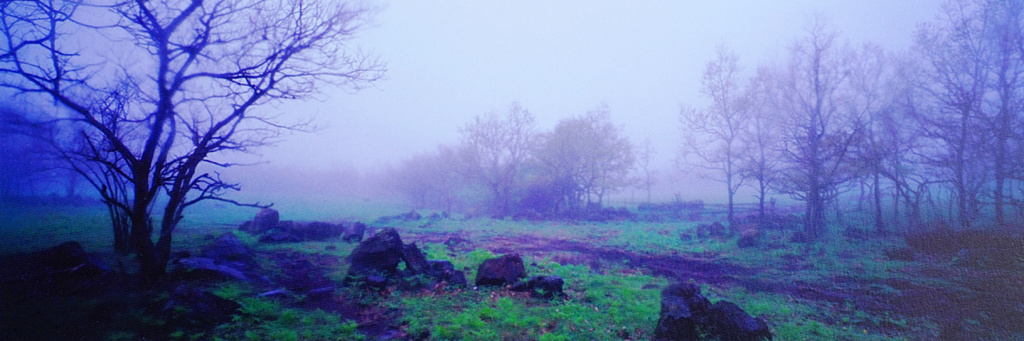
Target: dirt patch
{"type": "Point", "coordinates": [303, 273]}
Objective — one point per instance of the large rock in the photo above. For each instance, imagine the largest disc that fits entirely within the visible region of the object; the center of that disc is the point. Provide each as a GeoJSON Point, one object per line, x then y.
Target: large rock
{"type": "Point", "coordinates": [684, 311]}
{"type": "Point", "coordinates": [415, 260]}
{"type": "Point", "coordinates": [378, 255]}
{"type": "Point", "coordinates": [504, 270]}
{"type": "Point", "coordinates": [226, 248]}
{"type": "Point", "coordinates": [733, 324]}
{"type": "Point", "coordinates": [375, 264]}
{"type": "Point", "coordinates": [687, 315]}
{"type": "Point", "coordinates": [58, 271]}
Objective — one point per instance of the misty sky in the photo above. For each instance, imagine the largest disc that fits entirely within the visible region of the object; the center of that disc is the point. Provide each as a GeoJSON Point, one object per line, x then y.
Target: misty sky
{"type": "Point", "coordinates": [451, 60]}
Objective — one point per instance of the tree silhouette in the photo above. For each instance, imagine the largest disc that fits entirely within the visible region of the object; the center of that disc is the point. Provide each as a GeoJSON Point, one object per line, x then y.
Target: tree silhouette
{"type": "Point", "coordinates": [189, 80]}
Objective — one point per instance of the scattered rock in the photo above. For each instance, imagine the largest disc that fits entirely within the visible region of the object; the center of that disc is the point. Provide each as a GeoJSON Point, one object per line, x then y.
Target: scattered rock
{"type": "Point", "coordinates": [353, 231]}
{"type": "Point", "coordinates": [375, 262]}
{"type": "Point", "coordinates": [715, 229]}
{"type": "Point", "coordinates": [265, 220]}
{"type": "Point", "coordinates": [444, 271]}
{"type": "Point", "coordinates": [687, 315]}
{"type": "Point", "coordinates": [404, 217]}
{"type": "Point", "coordinates": [504, 270]}
{"type": "Point", "coordinates": [206, 267]}
{"type": "Point", "coordinates": [61, 270]}
{"type": "Point", "coordinates": [542, 286]}
{"type": "Point", "coordinates": [378, 255]}
{"type": "Point", "coordinates": [750, 236]}
{"type": "Point", "coordinates": [227, 247]}
{"type": "Point", "coordinates": [733, 324]}
{"type": "Point", "coordinates": [683, 312]}
{"type": "Point", "coordinates": [415, 260]}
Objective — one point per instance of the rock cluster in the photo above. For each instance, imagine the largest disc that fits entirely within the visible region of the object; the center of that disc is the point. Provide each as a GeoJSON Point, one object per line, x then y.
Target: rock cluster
{"type": "Point", "coordinates": [375, 263]}
{"type": "Point", "coordinates": [686, 315]}
{"type": "Point", "coordinates": [65, 269]}
{"type": "Point", "coordinates": [227, 257]}
{"type": "Point", "coordinates": [715, 229]}
{"type": "Point", "coordinates": [509, 269]}
{"type": "Point", "coordinates": [271, 229]}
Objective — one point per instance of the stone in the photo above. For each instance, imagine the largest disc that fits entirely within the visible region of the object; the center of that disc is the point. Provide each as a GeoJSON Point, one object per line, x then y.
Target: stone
{"type": "Point", "coordinates": [542, 286]}
{"type": "Point", "coordinates": [316, 230]}
{"type": "Point", "coordinates": [504, 270]}
{"type": "Point", "coordinates": [290, 231]}
{"type": "Point", "coordinates": [353, 232]}
{"type": "Point", "coordinates": [731, 323]}
{"type": "Point", "coordinates": [684, 312]}
{"type": "Point", "coordinates": [415, 260]}
{"type": "Point", "coordinates": [378, 255]}
{"type": "Point", "coordinates": [204, 266]}
{"type": "Point", "coordinates": [265, 220]}
{"type": "Point", "coordinates": [750, 236]}
{"type": "Point", "coordinates": [715, 229]}
{"type": "Point", "coordinates": [444, 271]}
{"type": "Point", "coordinates": [227, 247]}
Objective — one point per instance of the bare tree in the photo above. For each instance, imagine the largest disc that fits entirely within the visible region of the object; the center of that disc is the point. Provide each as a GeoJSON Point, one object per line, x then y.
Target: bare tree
{"type": "Point", "coordinates": [649, 176]}
{"type": "Point", "coordinates": [818, 130]}
{"type": "Point", "coordinates": [873, 90]}
{"type": "Point", "coordinates": [957, 72]}
{"type": "Point", "coordinates": [430, 180]}
{"type": "Point", "coordinates": [586, 158]}
{"type": "Point", "coordinates": [760, 137]}
{"type": "Point", "coordinates": [713, 134]}
{"type": "Point", "coordinates": [1005, 39]}
{"type": "Point", "coordinates": [194, 78]}
{"type": "Point", "coordinates": [494, 149]}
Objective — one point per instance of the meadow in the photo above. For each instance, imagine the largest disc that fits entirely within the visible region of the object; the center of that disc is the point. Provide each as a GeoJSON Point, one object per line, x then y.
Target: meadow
{"type": "Point", "coordinates": [846, 286]}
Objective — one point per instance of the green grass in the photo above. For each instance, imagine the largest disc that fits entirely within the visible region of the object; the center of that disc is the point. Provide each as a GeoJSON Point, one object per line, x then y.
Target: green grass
{"type": "Point", "coordinates": [596, 307]}
{"type": "Point", "coordinates": [611, 304]}
{"type": "Point", "coordinates": [268, 319]}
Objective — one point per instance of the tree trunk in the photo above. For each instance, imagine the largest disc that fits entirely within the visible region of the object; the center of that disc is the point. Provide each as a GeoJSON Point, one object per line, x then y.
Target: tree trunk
{"type": "Point", "coordinates": [878, 204]}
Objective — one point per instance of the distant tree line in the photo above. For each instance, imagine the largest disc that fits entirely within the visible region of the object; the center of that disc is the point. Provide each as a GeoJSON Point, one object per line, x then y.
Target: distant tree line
{"type": "Point", "coordinates": [29, 167]}
{"type": "Point", "coordinates": [938, 129]}
{"type": "Point", "coordinates": [502, 166]}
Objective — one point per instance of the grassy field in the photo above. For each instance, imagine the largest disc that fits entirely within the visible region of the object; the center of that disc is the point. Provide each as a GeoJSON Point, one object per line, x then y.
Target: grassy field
{"type": "Point", "coordinates": [836, 289]}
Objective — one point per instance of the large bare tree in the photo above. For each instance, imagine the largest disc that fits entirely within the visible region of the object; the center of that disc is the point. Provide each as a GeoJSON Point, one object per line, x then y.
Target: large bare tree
{"type": "Point", "coordinates": [190, 80]}
{"type": "Point", "coordinates": [818, 129]}
{"type": "Point", "coordinates": [495, 148]}
{"type": "Point", "coordinates": [586, 158]}
{"type": "Point", "coordinates": [957, 75]}
{"type": "Point", "coordinates": [761, 139]}
{"type": "Point", "coordinates": [713, 134]}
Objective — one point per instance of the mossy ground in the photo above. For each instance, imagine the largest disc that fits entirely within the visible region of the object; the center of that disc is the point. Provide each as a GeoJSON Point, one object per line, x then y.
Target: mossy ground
{"type": "Point", "coordinates": [837, 288]}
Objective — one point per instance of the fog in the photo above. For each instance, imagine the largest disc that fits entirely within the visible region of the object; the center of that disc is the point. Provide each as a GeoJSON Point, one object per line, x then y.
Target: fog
{"type": "Point", "coordinates": [448, 62]}
{"type": "Point", "coordinates": [452, 61]}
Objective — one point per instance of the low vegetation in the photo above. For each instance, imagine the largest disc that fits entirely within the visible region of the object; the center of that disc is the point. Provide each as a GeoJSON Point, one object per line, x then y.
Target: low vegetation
{"type": "Point", "coordinates": [839, 288]}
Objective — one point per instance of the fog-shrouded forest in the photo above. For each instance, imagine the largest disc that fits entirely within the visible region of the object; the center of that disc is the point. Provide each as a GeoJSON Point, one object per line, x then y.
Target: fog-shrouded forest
{"type": "Point", "coordinates": [150, 111]}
